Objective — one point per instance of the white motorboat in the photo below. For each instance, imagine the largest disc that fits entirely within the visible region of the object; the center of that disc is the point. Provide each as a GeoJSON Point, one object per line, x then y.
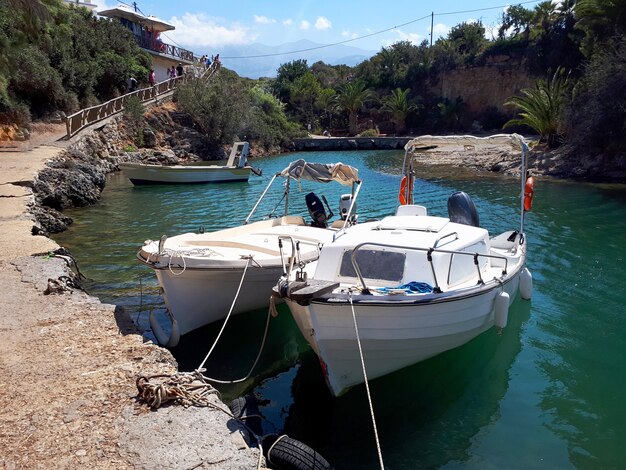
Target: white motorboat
{"type": "Point", "coordinates": [204, 275]}
{"type": "Point", "coordinates": [236, 169]}
{"type": "Point", "coordinates": [386, 294]}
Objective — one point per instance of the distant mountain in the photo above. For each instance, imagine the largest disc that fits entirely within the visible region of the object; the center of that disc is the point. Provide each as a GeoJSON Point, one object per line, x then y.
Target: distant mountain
{"type": "Point", "coordinates": [266, 66]}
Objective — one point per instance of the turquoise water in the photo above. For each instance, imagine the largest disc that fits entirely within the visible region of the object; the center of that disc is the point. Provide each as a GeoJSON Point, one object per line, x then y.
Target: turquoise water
{"type": "Point", "coordinates": [548, 392]}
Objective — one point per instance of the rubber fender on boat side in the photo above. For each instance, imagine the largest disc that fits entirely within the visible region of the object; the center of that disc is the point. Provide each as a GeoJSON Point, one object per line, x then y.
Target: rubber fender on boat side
{"type": "Point", "coordinates": [285, 453]}
{"type": "Point", "coordinates": [526, 284]}
{"type": "Point", "coordinates": [246, 409]}
{"type": "Point", "coordinates": [501, 310]}
{"type": "Point", "coordinates": [164, 340]}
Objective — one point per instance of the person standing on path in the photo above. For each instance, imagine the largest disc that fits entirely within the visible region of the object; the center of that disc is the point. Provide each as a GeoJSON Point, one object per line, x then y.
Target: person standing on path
{"type": "Point", "coordinates": [131, 83]}
{"type": "Point", "coordinates": [179, 70]}
{"type": "Point", "coordinates": [152, 78]}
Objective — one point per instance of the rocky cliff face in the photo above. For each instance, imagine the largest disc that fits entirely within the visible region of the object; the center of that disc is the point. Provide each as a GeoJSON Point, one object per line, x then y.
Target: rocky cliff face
{"type": "Point", "coordinates": [488, 86]}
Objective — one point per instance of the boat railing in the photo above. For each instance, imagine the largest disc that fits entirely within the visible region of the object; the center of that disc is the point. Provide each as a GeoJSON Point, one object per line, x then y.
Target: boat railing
{"type": "Point", "coordinates": [444, 237]}
{"type": "Point", "coordinates": [295, 251]}
{"type": "Point", "coordinates": [429, 256]}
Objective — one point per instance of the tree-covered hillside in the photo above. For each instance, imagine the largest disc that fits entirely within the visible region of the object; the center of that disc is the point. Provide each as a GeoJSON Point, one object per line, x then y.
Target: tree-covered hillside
{"type": "Point", "coordinates": [58, 57]}
{"type": "Point", "coordinates": [55, 56]}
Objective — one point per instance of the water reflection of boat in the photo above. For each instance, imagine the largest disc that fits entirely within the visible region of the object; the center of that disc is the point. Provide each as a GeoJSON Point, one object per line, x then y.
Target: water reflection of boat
{"type": "Point", "coordinates": [205, 275]}
{"type": "Point", "coordinates": [236, 169]}
{"type": "Point", "coordinates": [419, 285]}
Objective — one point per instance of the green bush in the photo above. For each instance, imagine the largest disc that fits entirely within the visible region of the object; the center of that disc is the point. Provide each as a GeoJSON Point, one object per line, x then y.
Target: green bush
{"type": "Point", "coordinates": [218, 107]}
{"type": "Point", "coordinates": [368, 133]}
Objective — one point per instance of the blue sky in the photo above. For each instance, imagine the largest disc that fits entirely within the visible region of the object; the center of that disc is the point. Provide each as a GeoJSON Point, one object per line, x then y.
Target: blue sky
{"type": "Point", "coordinates": [205, 26]}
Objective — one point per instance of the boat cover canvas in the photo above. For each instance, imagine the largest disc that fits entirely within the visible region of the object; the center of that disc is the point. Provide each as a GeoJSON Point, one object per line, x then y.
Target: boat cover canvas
{"type": "Point", "coordinates": [321, 172]}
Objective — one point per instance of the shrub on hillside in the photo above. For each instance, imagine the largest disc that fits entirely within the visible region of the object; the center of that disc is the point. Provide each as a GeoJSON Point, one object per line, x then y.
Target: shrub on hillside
{"type": "Point", "coordinates": [218, 107]}
{"type": "Point", "coordinates": [595, 116]}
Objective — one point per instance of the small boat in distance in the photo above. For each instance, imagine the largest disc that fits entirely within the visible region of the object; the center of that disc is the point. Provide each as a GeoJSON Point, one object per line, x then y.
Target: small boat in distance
{"type": "Point", "coordinates": [386, 294]}
{"type": "Point", "coordinates": [235, 170]}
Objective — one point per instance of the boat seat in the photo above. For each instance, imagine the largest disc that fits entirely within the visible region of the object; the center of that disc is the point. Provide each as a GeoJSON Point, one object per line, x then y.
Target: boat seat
{"type": "Point", "coordinates": [338, 223]}
{"type": "Point", "coordinates": [411, 209]}
{"type": "Point", "coordinates": [289, 220]}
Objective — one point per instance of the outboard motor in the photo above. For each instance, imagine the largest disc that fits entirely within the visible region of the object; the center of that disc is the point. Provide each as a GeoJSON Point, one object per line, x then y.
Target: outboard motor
{"type": "Point", "coordinates": [461, 209]}
{"type": "Point", "coordinates": [317, 211]}
{"type": "Point", "coordinates": [344, 205]}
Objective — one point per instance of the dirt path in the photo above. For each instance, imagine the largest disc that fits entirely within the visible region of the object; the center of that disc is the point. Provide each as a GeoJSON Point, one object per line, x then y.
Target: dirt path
{"type": "Point", "coordinates": [68, 364]}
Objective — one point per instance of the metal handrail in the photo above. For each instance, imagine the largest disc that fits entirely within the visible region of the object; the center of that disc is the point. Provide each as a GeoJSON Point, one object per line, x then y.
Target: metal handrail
{"type": "Point", "coordinates": [429, 252]}
{"type": "Point", "coordinates": [445, 236]}
{"type": "Point", "coordinates": [295, 248]}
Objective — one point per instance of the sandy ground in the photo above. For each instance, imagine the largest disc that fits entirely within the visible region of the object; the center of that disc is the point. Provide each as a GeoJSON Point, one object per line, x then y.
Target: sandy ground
{"type": "Point", "coordinates": [68, 364]}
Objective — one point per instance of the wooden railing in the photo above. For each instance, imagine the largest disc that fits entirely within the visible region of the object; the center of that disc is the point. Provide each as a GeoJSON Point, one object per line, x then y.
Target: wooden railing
{"type": "Point", "coordinates": [85, 117]}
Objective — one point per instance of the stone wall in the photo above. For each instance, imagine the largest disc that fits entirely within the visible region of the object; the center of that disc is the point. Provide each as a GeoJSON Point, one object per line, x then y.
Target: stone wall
{"type": "Point", "coordinates": [351, 143]}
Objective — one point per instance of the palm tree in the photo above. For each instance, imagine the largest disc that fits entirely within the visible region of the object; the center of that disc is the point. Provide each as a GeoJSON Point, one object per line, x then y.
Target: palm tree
{"type": "Point", "coordinates": [327, 102]}
{"type": "Point", "coordinates": [541, 107]}
{"type": "Point", "coordinates": [600, 20]}
{"type": "Point", "coordinates": [351, 98]}
{"type": "Point", "coordinates": [398, 105]}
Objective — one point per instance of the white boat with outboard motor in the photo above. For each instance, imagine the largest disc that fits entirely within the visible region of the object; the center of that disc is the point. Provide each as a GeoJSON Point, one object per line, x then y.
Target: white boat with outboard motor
{"type": "Point", "coordinates": [236, 169]}
{"type": "Point", "coordinates": [386, 294]}
{"type": "Point", "coordinates": [203, 275]}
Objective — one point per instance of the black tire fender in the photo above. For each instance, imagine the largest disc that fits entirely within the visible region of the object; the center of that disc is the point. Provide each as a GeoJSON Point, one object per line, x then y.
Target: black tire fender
{"type": "Point", "coordinates": [246, 410]}
{"type": "Point", "coordinates": [285, 453]}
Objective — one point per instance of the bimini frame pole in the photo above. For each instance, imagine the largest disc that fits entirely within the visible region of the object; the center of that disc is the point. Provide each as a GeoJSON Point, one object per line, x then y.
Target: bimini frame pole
{"type": "Point", "coordinates": [523, 182]}
{"type": "Point", "coordinates": [259, 201]}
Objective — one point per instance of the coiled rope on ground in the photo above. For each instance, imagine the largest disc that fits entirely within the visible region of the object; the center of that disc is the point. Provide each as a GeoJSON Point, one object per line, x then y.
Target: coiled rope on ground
{"type": "Point", "coordinates": [181, 388]}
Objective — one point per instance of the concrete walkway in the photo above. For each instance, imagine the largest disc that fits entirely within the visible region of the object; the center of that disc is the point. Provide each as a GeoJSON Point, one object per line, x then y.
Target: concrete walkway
{"type": "Point", "coordinates": [68, 364]}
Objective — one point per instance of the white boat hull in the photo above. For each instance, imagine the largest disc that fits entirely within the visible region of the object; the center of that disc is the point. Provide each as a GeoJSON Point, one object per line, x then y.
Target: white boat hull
{"type": "Point", "coordinates": [198, 297]}
{"type": "Point", "coordinates": [141, 174]}
{"type": "Point", "coordinates": [393, 334]}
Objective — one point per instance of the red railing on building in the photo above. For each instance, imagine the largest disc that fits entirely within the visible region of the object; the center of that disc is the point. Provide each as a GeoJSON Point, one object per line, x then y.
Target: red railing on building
{"type": "Point", "coordinates": [157, 45]}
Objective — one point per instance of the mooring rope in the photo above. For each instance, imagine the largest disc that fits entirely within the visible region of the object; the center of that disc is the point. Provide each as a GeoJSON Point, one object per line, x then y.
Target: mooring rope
{"type": "Point", "coordinates": [367, 387]}
{"type": "Point", "coordinates": [183, 388]}
{"type": "Point", "coordinates": [232, 306]}
{"type": "Point", "coordinates": [258, 356]}
{"type": "Point", "coordinates": [187, 389]}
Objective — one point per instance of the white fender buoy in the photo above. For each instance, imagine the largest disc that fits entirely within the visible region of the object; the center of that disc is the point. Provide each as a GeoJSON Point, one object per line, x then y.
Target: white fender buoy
{"type": "Point", "coordinates": [164, 340]}
{"type": "Point", "coordinates": [501, 310]}
{"type": "Point", "coordinates": [526, 284]}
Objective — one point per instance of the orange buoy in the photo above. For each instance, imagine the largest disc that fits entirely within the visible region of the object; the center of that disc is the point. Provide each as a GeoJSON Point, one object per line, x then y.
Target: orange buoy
{"type": "Point", "coordinates": [402, 193]}
{"type": "Point", "coordinates": [528, 193]}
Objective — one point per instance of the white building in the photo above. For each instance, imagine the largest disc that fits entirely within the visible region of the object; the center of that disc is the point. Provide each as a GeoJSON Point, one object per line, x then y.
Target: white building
{"type": "Point", "coordinates": [147, 31]}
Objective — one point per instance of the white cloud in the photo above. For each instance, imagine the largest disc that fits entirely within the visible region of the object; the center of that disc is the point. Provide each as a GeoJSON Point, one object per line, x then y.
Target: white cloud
{"type": "Point", "coordinates": [263, 19]}
{"type": "Point", "coordinates": [440, 29]}
{"type": "Point", "coordinates": [288, 22]}
{"type": "Point", "coordinates": [413, 38]}
{"type": "Point", "coordinates": [322, 23]}
{"type": "Point", "coordinates": [304, 24]}
{"type": "Point", "coordinates": [102, 6]}
{"type": "Point", "coordinates": [201, 30]}
{"type": "Point", "coordinates": [347, 34]}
